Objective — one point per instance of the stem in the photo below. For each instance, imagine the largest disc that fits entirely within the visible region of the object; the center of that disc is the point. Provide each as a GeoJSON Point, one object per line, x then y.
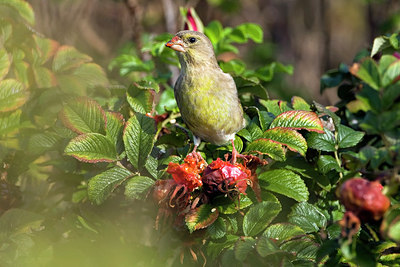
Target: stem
{"type": "Point", "coordinates": [339, 162]}
{"type": "Point", "coordinates": [173, 116]}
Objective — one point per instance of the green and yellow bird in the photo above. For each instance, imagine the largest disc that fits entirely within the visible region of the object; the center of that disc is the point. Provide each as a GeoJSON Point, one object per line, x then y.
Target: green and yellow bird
{"type": "Point", "coordinates": [206, 96]}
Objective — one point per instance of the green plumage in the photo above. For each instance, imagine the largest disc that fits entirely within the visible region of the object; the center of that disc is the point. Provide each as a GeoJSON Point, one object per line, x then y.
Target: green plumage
{"type": "Point", "coordinates": [206, 96]}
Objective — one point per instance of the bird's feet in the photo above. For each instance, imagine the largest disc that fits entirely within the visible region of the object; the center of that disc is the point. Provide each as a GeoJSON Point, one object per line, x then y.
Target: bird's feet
{"type": "Point", "coordinates": [235, 154]}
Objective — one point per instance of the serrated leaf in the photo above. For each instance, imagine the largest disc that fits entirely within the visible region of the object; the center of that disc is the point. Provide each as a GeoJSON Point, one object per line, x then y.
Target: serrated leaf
{"type": "Point", "coordinates": [138, 186]}
{"type": "Point", "coordinates": [287, 137]}
{"type": "Point", "coordinates": [147, 85]}
{"type": "Point", "coordinates": [217, 229]}
{"type": "Point", "coordinates": [243, 247]}
{"type": "Point", "coordinates": [283, 231]}
{"type": "Point", "coordinates": [299, 103]}
{"type": "Point", "coordinates": [4, 63]}
{"type": "Point", "coordinates": [44, 78]}
{"type": "Point", "coordinates": [115, 126]}
{"type": "Point", "coordinates": [91, 75]}
{"type": "Point", "coordinates": [268, 147]}
{"type": "Point", "coordinates": [307, 217]}
{"type": "Point", "coordinates": [92, 147]}
{"type": "Point", "coordinates": [276, 107]}
{"type": "Point", "coordinates": [68, 57]}
{"type": "Point", "coordinates": [201, 217]}
{"type": "Point", "coordinates": [299, 120]}
{"type": "Point", "coordinates": [103, 184]}
{"type": "Point", "coordinates": [12, 95]}
{"type": "Point", "coordinates": [42, 142]}
{"type": "Point", "coordinates": [259, 216]}
{"type": "Point", "coordinates": [326, 163]}
{"type": "Point", "coordinates": [231, 208]}
{"type": "Point", "coordinates": [138, 139]}
{"type": "Point", "coordinates": [140, 100]}
{"type": "Point", "coordinates": [303, 248]}
{"type": "Point", "coordinates": [151, 166]}
{"type": "Point", "coordinates": [367, 71]}
{"type": "Point", "coordinates": [84, 115]}
{"type": "Point", "coordinates": [9, 121]}
{"type": "Point", "coordinates": [348, 137]}
{"type": "Point", "coordinates": [266, 246]}
{"type": "Point", "coordinates": [23, 8]}
{"type": "Point", "coordinates": [284, 182]}
{"type": "Point", "coordinates": [324, 142]}
{"type": "Point", "coordinates": [45, 49]}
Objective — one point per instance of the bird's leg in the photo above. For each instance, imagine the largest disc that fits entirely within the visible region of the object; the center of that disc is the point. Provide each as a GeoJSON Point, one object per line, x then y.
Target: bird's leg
{"type": "Point", "coordinates": [194, 153]}
{"type": "Point", "coordinates": [235, 154]}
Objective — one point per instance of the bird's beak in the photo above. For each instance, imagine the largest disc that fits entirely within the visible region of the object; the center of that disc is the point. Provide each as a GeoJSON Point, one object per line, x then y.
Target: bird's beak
{"type": "Point", "coordinates": [177, 44]}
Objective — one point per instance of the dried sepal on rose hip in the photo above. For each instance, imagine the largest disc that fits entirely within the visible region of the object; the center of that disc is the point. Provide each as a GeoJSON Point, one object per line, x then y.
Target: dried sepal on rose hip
{"type": "Point", "coordinates": [364, 198]}
{"type": "Point", "coordinates": [223, 177]}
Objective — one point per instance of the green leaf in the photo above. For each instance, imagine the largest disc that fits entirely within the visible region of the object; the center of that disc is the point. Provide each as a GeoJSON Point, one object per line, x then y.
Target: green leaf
{"type": "Point", "coordinates": [303, 248]}
{"type": "Point", "coordinates": [217, 229]}
{"type": "Point", "coordinates": [275, 107]}
{"type": "Point", "coordinates": [299, 120]}
{"type": "Point", "coordinates": [84, 115]}
{"type": "Point", "coordinates": [201, 217]}
{"type": "Point", "coordinates": [252, 31]}
{"type": "Point", "coordinates": [259, 216]}
{"type": "Point", "coordinates": [15, 221]}
{"type": "Point", "coordinates": [307, 217]}
{"type": "Point", "coordinates": [391, 73]}
{"type": "Point", "coordinates": [233, 207]}
{"type": "Point", "coordinates": [287, 137]}
{"type": "Point", "coordinates": [348, 137]}
{"type": "Point", "coordinates": [283, 231]}
{"type": "Point", "coordinates": [12, 95]}
{"type": "Point", "coordinates": [243, 247]}
{"type": "Point", "coordinates": [92, 147]}
{"type": "Point", "coordinates": [91, 75]}
{"type": "Point", "coordinates": [103, 184]}
{"type": "Point", "coordinates": [44, 78]}
{"type": "Point", "coordinates": [284, 182]}
{"type": "Point", "coordinates": [42, 142]}
{"type": "Point", "coordinates": [327, 163]}
{"type": "Point", "coordinates": [140, 100]}
{"type": "Point", "coordinates": [4, 63]}
{"type": "Point", "coordinates": [9, 121]}
{"type": "Point", "coordinates": [379, 44]}
{"type": "Point", "coordinates": [23, 8]}
{"type": "Point", "coordinates": [114, 126]}
{"type": "Point", "coordinates": [390, 227]}
{"type": "Point", "coordinates": [266, 246]}
{"type": "Point", "coordinates": [45, 50]}
{"type": "Point", "coordinates": [299, 103]}
{"type": "Point", "coordinates": [138, 186]}
{"type": "Point", "coordinates": [215, 248]}
{"type": "Point", "coordinates": [68, 57]}
{"type": "Point", "coordinates": [138, 139]}
{"type": "Point", "coordinates": [367, 71]}
{"type": "Point", "coordinates": [268, 147]}
{"type": "Point", "coordinates": [214, 31]}
{"type": "Point", "coordinates": [252, 86]}
{"type": "Point", "coordinates": [267, 73]}
{"type": "Point", "coordinates": [234, 66]}
{"type": "Point", "coordinates": [324, 142]}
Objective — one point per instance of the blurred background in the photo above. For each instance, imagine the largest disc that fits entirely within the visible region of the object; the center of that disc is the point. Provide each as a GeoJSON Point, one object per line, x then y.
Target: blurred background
{"type": "Point", "coordinates": [312, 35]}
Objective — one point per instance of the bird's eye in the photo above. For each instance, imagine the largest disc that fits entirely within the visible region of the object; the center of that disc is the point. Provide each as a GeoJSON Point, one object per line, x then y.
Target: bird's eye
{"type": "Point", "coordinates": [192, 40]}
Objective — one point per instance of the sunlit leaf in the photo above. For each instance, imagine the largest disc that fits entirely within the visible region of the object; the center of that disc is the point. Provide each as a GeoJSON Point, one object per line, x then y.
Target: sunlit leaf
{"type": "Point", "coordinates": [138, 186]}
{"type": "Point", "coordinates": [12, 95]}
{"type": "Point", "coordinates": [46, 48]}
{"type": "Point", "coordinates": [299, 103]}
{"type": "Point", "coordinates": [259, 216]}
{"type": "Point", "coordinates": [44, 78]}
{"type": "Point", "coordinates": [92, 147]}
{"type": "Point", "coordinates": [91, 74]}
{"type": "Point", "coordinates": [348, 137]}
{"type": "Point", "coordinates": [103, 184]}
{"type": "Point", "coordinates": [140, 100]}
{"type": "Point", "coordinates": [284, 182]}
{"type": "Point", "coordinates": [252, 31]}
{"type": "Point", "coordinates": [287, 137]}
{"type": "Point", "coordinates": [367, 71]}
{"type": "Point", "coordinates": [23, 8]}
{"type": "Point", "coordinates": [84, 115]}
{"type": "Point", "coordinates": [68, 57]}
{"type": "Point", "coordinates": [115, 126]}
{"type": "Point", "coordinates": [268, 147]}
{"type": "Point", "coordinates": [4, 63]}
{"type": "Point", "coordinates": [138, 139]}
{"type": "Point", "coordinates": [299, 120]}
{"type": "Point", "coordinates": [201, 217]}
{"type": "Point", "coordinates": [9, 121]}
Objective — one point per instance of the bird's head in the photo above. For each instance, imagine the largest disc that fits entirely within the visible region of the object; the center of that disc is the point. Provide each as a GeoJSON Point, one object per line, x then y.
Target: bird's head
{"type": "Point", "coordinates": [192, 47]}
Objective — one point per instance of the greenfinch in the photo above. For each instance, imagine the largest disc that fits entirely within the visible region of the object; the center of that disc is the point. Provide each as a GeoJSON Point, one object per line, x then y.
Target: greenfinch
{"type": "Point", "coordinates": [206, 96]}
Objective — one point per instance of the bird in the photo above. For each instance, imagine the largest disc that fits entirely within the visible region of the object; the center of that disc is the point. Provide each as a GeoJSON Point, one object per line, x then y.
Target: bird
{"type": "Point", "coordinates": [206, 96]}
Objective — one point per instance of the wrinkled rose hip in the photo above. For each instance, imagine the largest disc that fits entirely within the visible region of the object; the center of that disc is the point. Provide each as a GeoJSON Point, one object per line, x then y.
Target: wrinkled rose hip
{"type": "Point", "coordinates": [364, 198]}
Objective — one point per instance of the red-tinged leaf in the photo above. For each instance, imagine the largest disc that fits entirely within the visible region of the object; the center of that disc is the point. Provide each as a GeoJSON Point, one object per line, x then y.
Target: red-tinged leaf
{"type": "Point", "coordinates": [368, 72]}
{"type": "Point", "coordinates": [22, 8]}
{"type": "Point", "coordinates": [68, 57]}
{"type": "Point", "coordinates": [44, 78]}
{"type": "Point", "coordinates": [290, 138]}
{"type": "Point", "coordinates": [299, 103]}
{"type": "Point", "coordinates": [12, 95]}
{"type": "Point", "coordinates": [46, 48]}
{"type": "Point", "coordinates": [4, 63]}
{"type": "Point", "coordinates": [201, 217]}
{"type": "Point", "coordinates": [9, 121]}
{"type": "Point", "coordinates": [298, 120]}
{"type": "Point", "coordinates": [92, 147]}
{"type": "Point", "coordinates": [269, 147]}
{"type": "Point", "coordinates": [84, 115]}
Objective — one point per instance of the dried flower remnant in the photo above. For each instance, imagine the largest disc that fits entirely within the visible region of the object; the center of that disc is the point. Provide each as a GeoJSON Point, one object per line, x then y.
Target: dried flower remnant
{"type": "Point", "coordinates": [364, 198]}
